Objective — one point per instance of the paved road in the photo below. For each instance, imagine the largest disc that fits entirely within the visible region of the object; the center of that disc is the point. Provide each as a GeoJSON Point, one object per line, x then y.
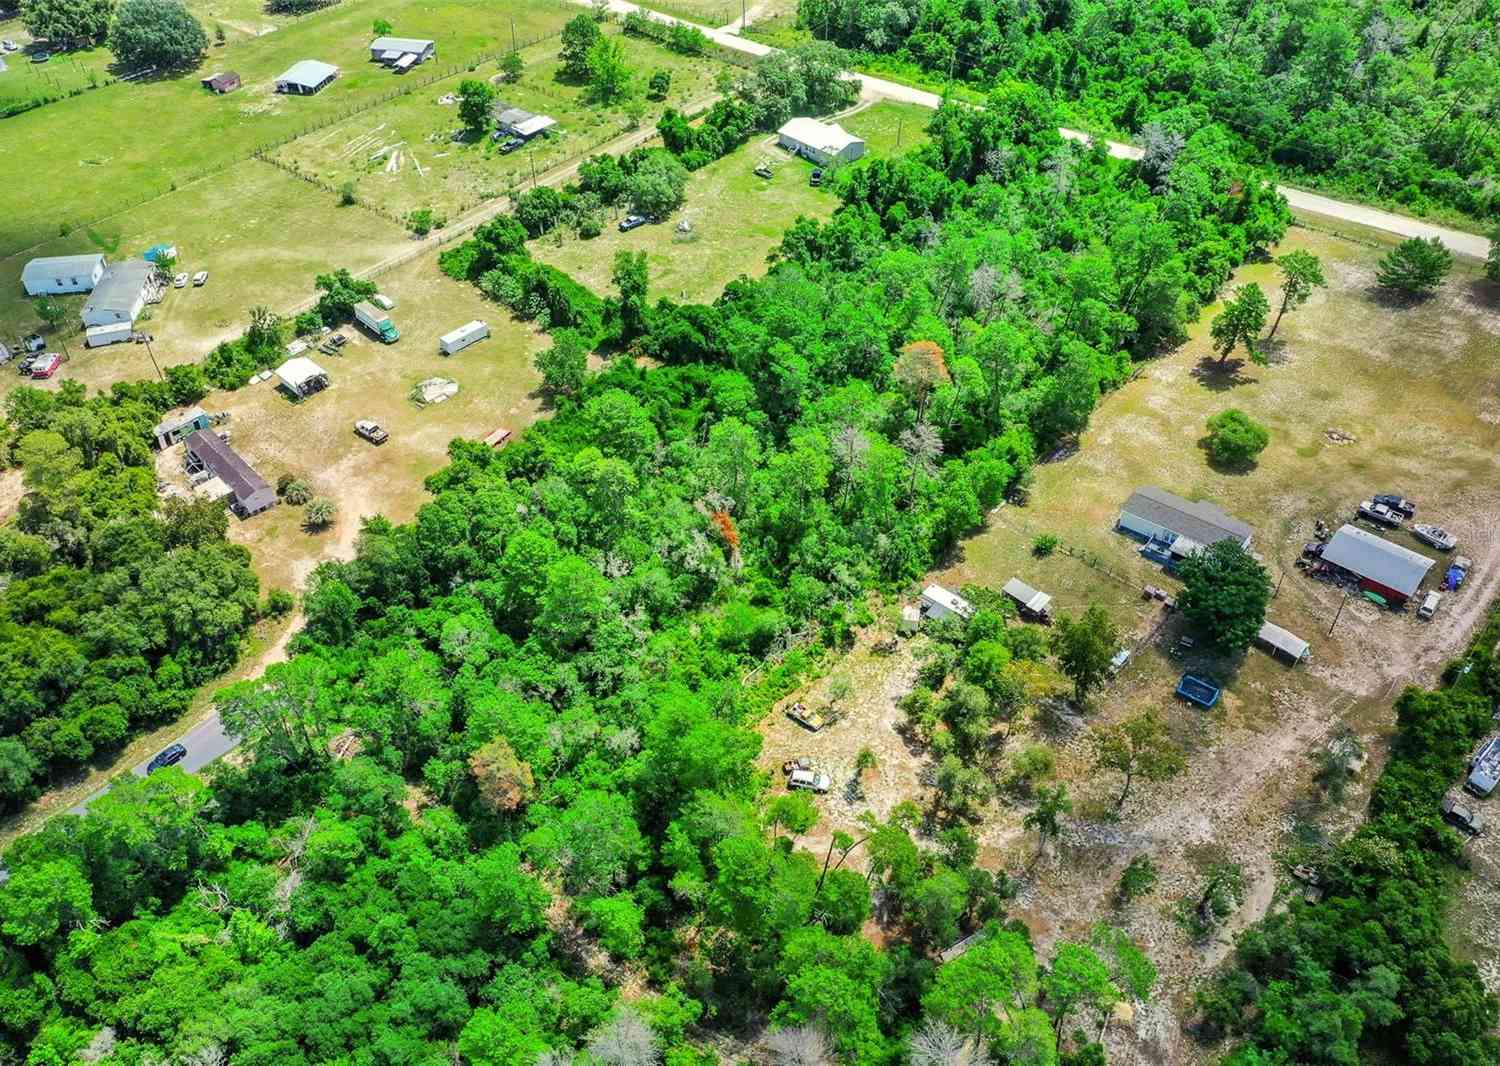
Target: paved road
{"type": "Point", "coordinates": [205, 742]}
{"type": "Point", "coordinates": [1457, 241]}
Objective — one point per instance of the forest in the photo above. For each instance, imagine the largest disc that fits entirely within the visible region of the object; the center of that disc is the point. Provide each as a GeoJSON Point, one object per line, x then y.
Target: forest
{"type": "Point", "coordinates": [503, 803]}
{"type": "Point", "coordinates": [1395, 102]}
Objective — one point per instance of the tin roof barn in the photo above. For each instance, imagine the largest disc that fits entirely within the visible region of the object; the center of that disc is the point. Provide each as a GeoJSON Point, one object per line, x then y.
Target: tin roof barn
{"type": "Point", "coordinates": [226, 81]}
{"type": "Point", "coordinates": [62, 273]}
{"type": "Point", "coordinates": [302, 377]}
{"type": "Point", "coordinates": [402, 53]}
{"type": "Point", "coordinates": [305, 77]}
{"type": "Point", "coordinates": [522, 123]}
{"type": "Point", "coordinates": [1390, 570]}
{"type": "Point", "coordinates": [249, 493]}
{"type": "Point", "coordinates": [1181, 526]}
{"type": "Point", "coordinates": [120, 294]}
{"type": "Point", "coordinates": [1032, 603]}
{"type": "Point", "coordinates": [822, 142]}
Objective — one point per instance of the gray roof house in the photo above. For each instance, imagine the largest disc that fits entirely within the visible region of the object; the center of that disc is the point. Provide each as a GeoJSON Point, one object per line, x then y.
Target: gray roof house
{"type": "Point", "coordinates": [249, 494]}
{"type": "Point", "coordinates": [1158, 515]}
{"type": "Point", "coordinates": [402, 53]}
{"type": "Point", "coordinates": [305, 77]}
{"type": "Point", "coordinates": [120, 294]}
{"type": "Point", "coordinates": [1388, 569]}
{"type": "Point", "coordinates": [520, 122]}
{"type": "Point", "coordinates": [62, 274]}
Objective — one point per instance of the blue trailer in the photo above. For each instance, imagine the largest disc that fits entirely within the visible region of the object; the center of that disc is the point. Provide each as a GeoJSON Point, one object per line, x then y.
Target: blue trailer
{"type": "Point", "coordinates": [1198, 690]}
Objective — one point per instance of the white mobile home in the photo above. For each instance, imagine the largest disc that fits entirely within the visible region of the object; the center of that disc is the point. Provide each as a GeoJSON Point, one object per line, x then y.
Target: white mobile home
{"type": "Point", "coordinates": [1183, 526]}
{"type": "Point", "coordinates": [402, 53]}
{"type": "Point", "coordinates": [821, 142]}
{"type": "Point", "coordinates": [121, 293]}
{"type": "Point", "coordinates": [56, 274]}
{"type": "Point", "coordinates": [463, 336]}
{"type": "Point", "coordinates": [938, 603]}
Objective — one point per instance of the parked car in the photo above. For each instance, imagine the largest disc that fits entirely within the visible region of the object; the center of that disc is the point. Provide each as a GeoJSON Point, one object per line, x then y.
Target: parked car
{"type": "Point", "coordinates": [371, 431]}
{"type": "Point", "coordinates": [763, 169]}
{"type": "Point", "coordinates": [630, 222]}
{"type": "Point", "coordinates": [811, 720]}
{"type": "Point", "coordinates": [511, 144]}
{"type": "Point", "coordinates": [1462, 817]}
{"type": "Point", "coordinates": [171, 755]}
{"type": "Point", "coordinates": [46, 365]}
{"type": "Point", "coordinates": [9, 45]}
{"type": "Point", "coordinates": [1430, 604]}
{"type": "Point", "coordinates": [812, 780]}
{"type": "Point", "coordinates": [1437, 536]}
{"type": "Point", "coordinates": [816, 178]}
{"type": "Point", "coordinates": [27, 362]}
{"type": "Point", "coordinates": [1397, 503]}
{"type": "Point", "coordinates": [200, 279]}
{"type": "Point", "coordinates": [34, 343]}
{"type": "Point", "coordinates": [180, 280]}
{"type": "Point", "coordinates": [338, 340]}
{"type": "Point", "coordinates": [1379, 512]}
{"type": "Point", "coordinates": [40, 57]}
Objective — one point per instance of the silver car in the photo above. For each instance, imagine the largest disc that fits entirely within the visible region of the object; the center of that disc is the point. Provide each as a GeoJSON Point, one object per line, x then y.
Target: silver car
{"type": "Point", "coordinates": [812, 780]}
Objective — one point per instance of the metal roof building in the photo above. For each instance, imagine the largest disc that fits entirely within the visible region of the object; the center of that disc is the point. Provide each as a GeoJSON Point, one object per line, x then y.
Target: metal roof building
{"type": "Point", "coordinates": [305, 77]}
{"type": "Point", "coordinates": [938, 602]}
{"type": "Point", "coordinates": [120, 294]}
{"type": "Point", "coordinates": [61, 274]}
{"type": "Point", "coordinates": [522, 123]}
{"type": "Point", "coordinates": [402, 53]}
{"type": "Point", "coordinates": [174, 427]}
{"type": "Point", "coordinates": [249, 492]}
{"type": "Point", "coordinates": [1382, 567]}
{"type": "Point", "coordinates": [1027, 598]}
{"type": "Point", "coordinates": [1275, 639]}
{"type": "Point", "coordinates": [822, 142]}
{"type": "Point", "coordinates": [1157, 514]}
{"type": "Point", "coordinates": [301, 376]}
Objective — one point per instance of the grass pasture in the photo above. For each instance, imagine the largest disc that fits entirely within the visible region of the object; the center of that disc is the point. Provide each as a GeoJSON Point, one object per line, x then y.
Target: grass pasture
{"type": "Point", "coordinates": [451, 177]}
{"type": "Point", "coordinates": [112, 147]}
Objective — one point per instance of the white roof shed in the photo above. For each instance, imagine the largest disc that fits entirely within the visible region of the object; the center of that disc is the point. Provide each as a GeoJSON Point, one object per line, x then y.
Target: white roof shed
{"type": "Point", "coordinates": [1275, 639]}
{"type": "Point", "coordinates": [301, 374]}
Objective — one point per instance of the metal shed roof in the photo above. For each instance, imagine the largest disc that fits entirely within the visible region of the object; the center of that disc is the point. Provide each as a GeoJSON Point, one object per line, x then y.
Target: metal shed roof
{"type": "Point", "coordinates": [1026, 596]}
{"type": "Point", "coordinates": [948, 599]}
{"type": "Point", "coordinates": [1288, 643]}
{"type": "Point", "coordinates": [59, 266]}
{"type": "Point", "coordinates": [1201, 522]}
{"type": "Point", "coordinates": [226, 464]}
{"type": "Point", "coordinates": [297, 372]}
{"type": "Point", "coordinates": [309, 72]}
{"type": "Point", "coordinates": [400, 45]}
{"type": "Point", "coordinates": [829, 136]}
{"type": "Point", "coordinates": [120, 286]}
{"type": "Point", "coordinates": [171, 422]}
{"type": "Point", "coordinates": [1377, 559]}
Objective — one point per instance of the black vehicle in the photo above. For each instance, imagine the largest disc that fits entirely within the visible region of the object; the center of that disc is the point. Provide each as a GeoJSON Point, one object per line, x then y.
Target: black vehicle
{"type": "Point", "coordinates": [630, 222]}
{"type": "Point", "coordinates": [338, 340]}
{"type": "Point", "coordinates": [507, 147]}
{"type": "Point", "coordinates": [27, 362]}
{"type": "Point", "coordinates": [816, 179]}
{"type": "Point", "coordinates": [1397, 503]}
{"type": "Point", "coordinates": [171, 755]}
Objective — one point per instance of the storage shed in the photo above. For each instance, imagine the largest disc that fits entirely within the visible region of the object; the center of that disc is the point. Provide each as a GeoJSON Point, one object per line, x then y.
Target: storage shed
{"type": "Point", "coordinates": [518, 122]}
{"type": "Point", "coordinates": [306, 77]}
{"type": "Point", "coordinates": [174, 427]}
{"type": "Point", "coordinates": [465, 335]}
{"type": "Point", "coordinates": [249, 492]}
{"type": "Point", "coordinates": [1387, 569]}
{"type": "Point", "coordinates": [1279, 641]}
{"type": "Point", "coordinates": [226, 81]}
{"type": "Point", "coordinates": [1033, 604]}
{"type": "Point", "coordinates": [938, 603]}
{"type": "Point", "coordinates": [402, 53]}
{"type": "Point", "coordinates": [55, 274]}
{"type": "Point", "coordinates": [116, 333]}
{"type": "Point", "coordinates": [121, 293]}
{"type": "Point", "coordinates": [1164, 519]}
{"type": "Point", "coordinates": [302, 377]}
{"type": "Point", "coordinates": [821, 142]}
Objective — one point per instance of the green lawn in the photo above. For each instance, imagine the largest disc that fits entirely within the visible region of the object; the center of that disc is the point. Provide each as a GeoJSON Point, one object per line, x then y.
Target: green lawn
{"type": "Point", "coordinates": [712, 13]}
{"type": "Point", "coordinates": [451, 177]}
{"type": "Point", "coordinates": [109, 148]}
{"type": "Point", "coordinates": [890, 128]}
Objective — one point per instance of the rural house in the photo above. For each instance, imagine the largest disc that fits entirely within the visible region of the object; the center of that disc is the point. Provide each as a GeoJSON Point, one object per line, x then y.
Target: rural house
{"type": "Point", "coordinates": [302, 377]}
{"type": "Point", "coordinates": [174, 427]}
{"type": "Point", "coordinates": [518, 122]}
{"type": "Point", "coordinates": [56, 274]}
{"type": "Point", "coordinates": [123, 290]}
{"type": "Point", "coordinates": [402, 53]}
{"type": "Point", "coordinates": [249, 494]}
{"type": "Point", "coordinates": [1175, 528]}
{"type": "Point", "coordinates": [1390, 571]}
{"type": "Point", "coordinates": [226, 81]}
{"type": "Point", "coordinates": [821, 142]}
{"type": "Point", "coordinates": [306, 77]}
{"type": "Point", "coordinates": [939, 603]}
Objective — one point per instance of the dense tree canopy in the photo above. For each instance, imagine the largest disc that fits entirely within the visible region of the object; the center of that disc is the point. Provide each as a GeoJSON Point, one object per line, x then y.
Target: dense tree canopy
{"type": "Point", "coordinates": [156, 33]}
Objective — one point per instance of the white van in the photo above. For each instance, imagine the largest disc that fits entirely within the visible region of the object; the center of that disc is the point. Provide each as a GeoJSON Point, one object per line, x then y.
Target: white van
{"type": "Point", "coordinates": [1430, 605]}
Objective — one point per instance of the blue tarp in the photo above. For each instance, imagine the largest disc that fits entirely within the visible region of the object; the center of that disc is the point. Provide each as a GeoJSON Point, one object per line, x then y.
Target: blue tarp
{"type": "Point", "coordinates": [158, 250]}
{"type": "Point", "coordinates": [1454, 579]}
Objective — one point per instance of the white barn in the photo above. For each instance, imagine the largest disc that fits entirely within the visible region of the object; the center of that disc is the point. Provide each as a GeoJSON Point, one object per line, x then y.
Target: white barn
{"type": "Point", "coordinates": [306, 77]}
{"type": "Point", "coordinates": [822, 142]}
{"type": "Point", "coordinates": [939, 603]}
{"type": "Point", "coordinates": [402, 53]}
{"type": "Point", "coordinates": [55, 274]}
{"type": "Point", "coordinates": [121, 293]}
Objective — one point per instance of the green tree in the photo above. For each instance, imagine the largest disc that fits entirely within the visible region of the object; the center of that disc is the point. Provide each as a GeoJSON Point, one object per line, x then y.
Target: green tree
{"type": "Point", "coordinates": [631, 281]}
{"type": "Point", "coordinates": [1085, 647]}
{"type": "Point", "coordinates": [475, 98]}
{"type": "Point", "coordinates": [657, 185]}
{"type": "Point", "coordinates": [609, 79]}
{"type": "Point", "coordinates": [660, 84]}
{"type": "Point", "coordinates": [618, 922]}
{"type": "Point", "coordinates": [1137, 879]}
{"type": "Point", "coordinates": [984, 990]}
{"type": "Point", "coordinates": [1415, 267]}
{"type": "Point", "coordinates": [1138, 747]}
{"type": "Point", "coordinates": [18, 768]}
{"type": "Point", "coordinates": [1077, 979]}
{"type": "Point", "coordinates": [156, 33]}
{"type": "Point", "coordinates": [341, 291]}
{"type": "Point", "coordinates": [1234, 439]}
{"type": "Point", "coordinates": [50, 312]}
{"type": "Point", "coordinates": [66, 21]}
{"type": "Point", "coordinates": [1301, 273]}
{"type": "Point", "coordinates": [382, 28]}
{"type": "Point", "coordinates": [1240, 322]}
{"type": "Point", "coordinates": [320, 513]}
{"type": "Point", "coordinates": [1225, 592]}
{"type": "Point", "coordinates": [564, 366]}
{"type": "Point", "coordinates": [512, 67]}
{"type": "Point", "coordinates": [1492, 261]}
{"type": "Point", "coordinates": [44, 901]}
{"type": "Point", "coordinates": [578, 39]}
{"type": "Point", "coordinates": [284, 714]}
{"type": "Point", "coordinates": [1046, 817]}
{"type": "Point", "coordinates": [1223, 891]}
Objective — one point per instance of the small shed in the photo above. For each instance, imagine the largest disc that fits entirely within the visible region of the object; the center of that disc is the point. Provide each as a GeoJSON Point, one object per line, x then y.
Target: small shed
{"type": "Point", "coordinates": [174, 427]}
{"type": "Point", "coordinates": [57, 274]}
{"type": "Point", "coordinates": [1389, 570]}
{"type": "Point", "coordinates": [497, 438]}
{"type": "Point", "coordinates": [821, 142]}
{"type": "Point", "coordinates": [1279, 641]}
{"type": "Point", "coordinates": [302, 377]}
{"type": "Point", "coordinates": [306, 77]}
{"type": "Point", "coordinates": [939, 603]}
{"type": "Point", "coordinates": [402, 53]}
{"type": "Point", "coordinates": [1484, 769]}
{"type": "Point", "coordinates": [465, 335]}
{"type": "Point", "coordinates": [1033, 604]}
{"type": "Point", "coordinates": [226, 81]}
{"type": "Point", "coordinates": [519, 122]}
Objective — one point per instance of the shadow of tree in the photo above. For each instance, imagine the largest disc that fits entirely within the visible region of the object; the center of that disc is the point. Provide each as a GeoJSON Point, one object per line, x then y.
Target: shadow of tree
{"type": "Point", "coordinates": [1221, 377]}
{"type": "Point", "coordinates": [1484, 294]}
{"type": "Point", "coordinates": [1388, 299]}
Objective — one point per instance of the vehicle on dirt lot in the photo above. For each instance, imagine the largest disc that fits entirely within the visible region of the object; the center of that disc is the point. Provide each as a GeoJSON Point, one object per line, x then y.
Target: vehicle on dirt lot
{"type": "Point", "coordinates": [9, 45]}
{"type": "Point", "coordinates": [180, 280]}
{"type": "Point", "coordinates": [46, 365]}
{"type": "Point", "coordinates": [630, 222]}
{"type": "Point", "coordinates": [1430, 604]}
{"type": "Point", "coordinates": [811, 720]}
{"type": "Point", "coordinates": [812, 780]}
{"type": "Point", "coordinates": [763, 170]}
{"type": "Point", "coordinates": [1462, 817]}
{"type": "Point", "coordinates": [510, 145]}
{"type": "Point", "coordinates": [1397, 503]}
{"type": "Point", "coordinates": [171, 755]}
{"type": "Point", "coordinates": [801, 762]}
{"type": "Point", "coordinates": [27, 362]}
{"type": "Point", "coordinates": [200, 279]}
{"type": "Point", "coordinates": [1313, 549]}
{"type": "Point", "coordinates": [1379, 512]}
{"type": "Point", "coordinates": [338, 340]}
{"type": "Point", "coordinates": [371, 431]}
{"type": "Point", "coordinates": [1437, 536]}
{"type": "Point", "coordinates": [34, 343]}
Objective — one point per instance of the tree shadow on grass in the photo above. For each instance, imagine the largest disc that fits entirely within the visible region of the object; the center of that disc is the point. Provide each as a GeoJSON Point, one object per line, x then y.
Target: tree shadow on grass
{"type": "Point", "coordinates": [1484, 294]}
{"type": "Point", "coordinates": [1221, 377]}
{"type": "Point", "coordinates": [1388, 299]}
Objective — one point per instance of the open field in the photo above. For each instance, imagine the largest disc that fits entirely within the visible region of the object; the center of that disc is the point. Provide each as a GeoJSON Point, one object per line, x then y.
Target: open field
{"type": "Point", "coordinates": [1419, 390]}
{"type": "Point", "coordinates": [713, 13]}
{"type": "Point", "coordinates": [118, 145]}
{"type": "Point", "coordinates": [451, 176]}
{"type": "Point", "coordinates": [737, 218]}
{"type": "Point", "coordinates": [262, 240]}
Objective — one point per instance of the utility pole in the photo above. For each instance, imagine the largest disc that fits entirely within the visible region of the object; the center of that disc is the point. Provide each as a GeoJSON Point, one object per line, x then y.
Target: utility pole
{"type": "Point", "coordinates": [899, 123]}
{"type": "Point", "coordinates": [153, 359]}
{"type": "Point", "coordinates": [1338, 613]}
{"type": "Point", "coordinates": [512, 33]}
{"type": "Point", "coordinates": [532, 156]}
{"type": "Point", "coordinates": [744, 15]}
